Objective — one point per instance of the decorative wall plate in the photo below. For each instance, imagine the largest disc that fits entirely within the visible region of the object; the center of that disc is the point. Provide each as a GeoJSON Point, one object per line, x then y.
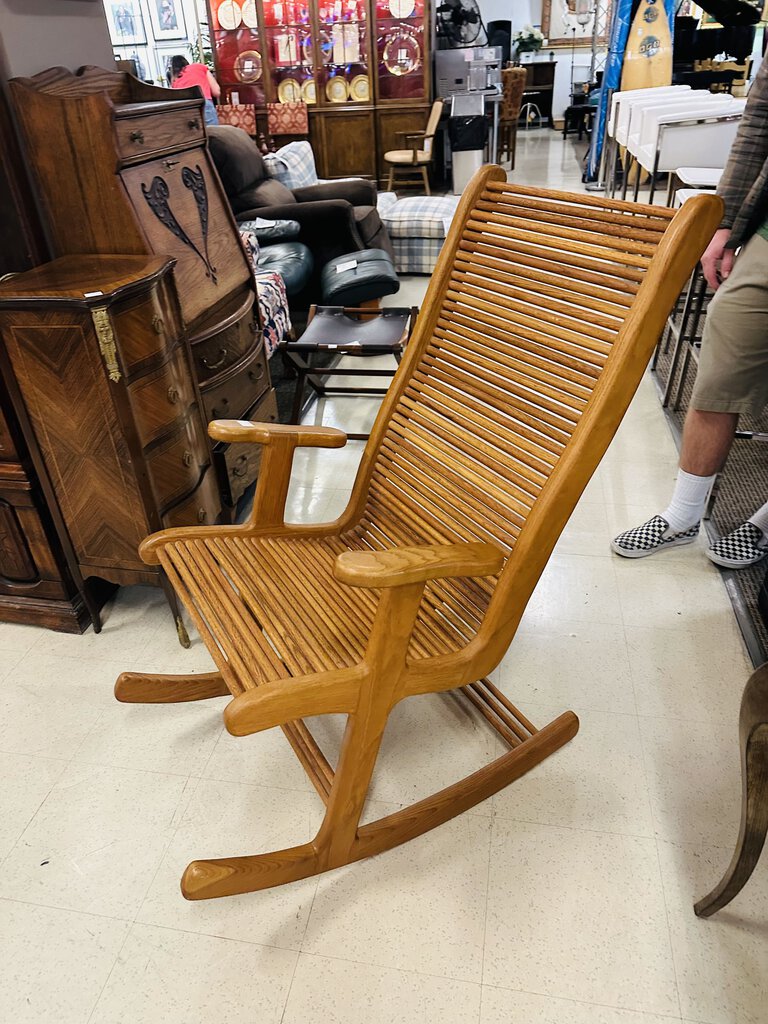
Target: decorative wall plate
{"type": "Point", "coordinates": [402, 52]}
{"type": "Point", "coordinates": [229, 14]}
{"type": "Point", "coordinates": [309, 91]}
{"type": "Point", "coordinates": [248, 66]}
{"type": "Point", "coordinates": [337, 90]}
{"type": "Point", "coordinates": [401, 8]}
{"type": "Point", "coordinates": [289, 91]}
{"type": "Point", "coordinates": [326, 46]}
{"type": "Point", "coordinates": [360, 89]}
{"type": "Point", "coordinates": [250, 19]}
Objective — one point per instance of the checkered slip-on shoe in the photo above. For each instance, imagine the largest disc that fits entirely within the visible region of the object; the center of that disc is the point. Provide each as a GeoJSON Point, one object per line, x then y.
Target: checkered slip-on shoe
{"type": "Point", "coordinates": [741, 547]}
{"type": "Point", "coordinates": [651, 537]}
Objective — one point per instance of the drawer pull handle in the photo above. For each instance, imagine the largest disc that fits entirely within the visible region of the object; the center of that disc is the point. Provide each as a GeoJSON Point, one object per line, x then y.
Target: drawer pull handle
{"type": "Point", "coordinates": [173, 395]}
{"type": "Point", "coordinates": [170, 164]}
{"type": "Point", "coordinates": [215, 411]}
{"type": "Point", "coordinates": [187, 458]}
{"type": "Point", "coordinates": [256, 375]}
{"type": "Point", "coordinates": [253, 327]}
{"type": "Point", "coordinates": [202, 515]}
{"type": "Point", "coordinates": [137, 137]}
{"type": "Point", "coordinates": [157, 324]}
{"type": "Point", "coordinates": [223, 353]}
{"type": "Point", "coordinates": [193, 124]}
{"type": "Point", "coordinates": [240, 468]}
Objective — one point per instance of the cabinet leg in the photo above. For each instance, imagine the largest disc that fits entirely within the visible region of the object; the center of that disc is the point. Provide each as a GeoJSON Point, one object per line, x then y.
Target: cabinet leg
{"type": "Point", "coordinates": [173, 604]}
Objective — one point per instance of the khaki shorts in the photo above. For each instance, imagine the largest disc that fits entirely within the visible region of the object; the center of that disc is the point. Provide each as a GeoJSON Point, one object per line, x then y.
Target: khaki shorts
{"type": "Point", "coordinates": [733, 368]}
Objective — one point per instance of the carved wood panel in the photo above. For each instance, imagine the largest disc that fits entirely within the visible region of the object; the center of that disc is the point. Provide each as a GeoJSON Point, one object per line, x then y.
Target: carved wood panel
{"type": "Point", "coordinates": [183, 215]}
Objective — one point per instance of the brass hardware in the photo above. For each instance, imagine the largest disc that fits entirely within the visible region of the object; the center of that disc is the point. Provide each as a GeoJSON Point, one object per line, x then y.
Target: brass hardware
{"type": "Point", "coordinates": [103, 326]}
{"type": "Point", "coordinates": [157, 324]}
{"type": "Point", "coordinates": [138, 137]}
{"type": "Point", "coordinates": [194, 124]}
{"type": "Point", "coordinates": [187, 458]}
{"type": "Point", "coordinates": [202, 515]}
{"type": "Point", "coordinates": [219, 362]}
{"type": "Point", "coordinates": [253, 327]}
{"type": "Point", "coordinates": [173, 395]}
{"type": "Point", "coordinates": [242, 469]}
{"type": "Point", "coordinates": [254, 376]}
{"type": "Point", "coordinates": [215, 411]}
{"type": "Point", "coordinates": [170, 163]}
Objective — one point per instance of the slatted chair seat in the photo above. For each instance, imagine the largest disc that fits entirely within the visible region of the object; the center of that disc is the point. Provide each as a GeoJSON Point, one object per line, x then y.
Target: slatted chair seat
{"type": "Point", "coordinates": [536, 328]}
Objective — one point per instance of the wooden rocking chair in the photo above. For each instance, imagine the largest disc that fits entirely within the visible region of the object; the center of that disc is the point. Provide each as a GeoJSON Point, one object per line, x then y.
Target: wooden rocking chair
{"type": "Point", "coordinates": [538, 323]}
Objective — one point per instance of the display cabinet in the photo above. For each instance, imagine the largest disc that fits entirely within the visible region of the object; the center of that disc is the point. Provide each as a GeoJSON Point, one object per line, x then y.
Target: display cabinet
{"type": "Point", "coordinates": [361, 66]}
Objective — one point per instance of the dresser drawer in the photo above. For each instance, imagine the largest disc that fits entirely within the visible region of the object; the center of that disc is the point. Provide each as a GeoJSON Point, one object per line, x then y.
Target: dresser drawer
{"type": "Point", "coordinates": [142, 136]}
{"type": "Point", "coordinates": [217, 354]}
{"type": "Point", "coordinates": [161, 398]}
{"type": "Point", "coordinates": [200, 508]}
{"type": "Point", "coordinates": [175, 467]}
{"type": "Point", "coordinates": [230, 395]}
{"type": "Point", "coordinates": [148, 328]}
{"type": "Point", "coordinates": [238, 464]}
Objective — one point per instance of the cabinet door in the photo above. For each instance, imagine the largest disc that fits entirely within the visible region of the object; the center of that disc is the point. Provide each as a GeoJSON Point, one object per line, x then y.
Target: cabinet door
{"type": "Point", "coordinates": [183, 214]}
{"type": "Point", "coordinates": [58, 368]}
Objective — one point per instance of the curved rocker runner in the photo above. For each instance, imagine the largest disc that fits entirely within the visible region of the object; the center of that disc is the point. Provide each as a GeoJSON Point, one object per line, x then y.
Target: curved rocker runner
{"type": "Point", "coordinates": [535, 331]}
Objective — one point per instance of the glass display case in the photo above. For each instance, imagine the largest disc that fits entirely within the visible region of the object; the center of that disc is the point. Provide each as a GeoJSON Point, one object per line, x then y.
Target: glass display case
{"type": "Point", "coordinates": [344, 58]}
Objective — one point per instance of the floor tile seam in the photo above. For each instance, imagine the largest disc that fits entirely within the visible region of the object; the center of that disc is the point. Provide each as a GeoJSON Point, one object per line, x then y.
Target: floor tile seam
{"type": "Point", "coordinates": [589, 1002]}
{"type": "Point", "coordinates": [576, 828]}
{"type": "Point", "coordinates": [485, 915]}
{"type": "Point", "coordinates": [673, 959]}
{"type": "Point", "coordinates": [68, 762]}
{"type": "Point", "coordinates": [173, 833]}
{"type": "Point", "coordinates": [64, 910]}
{"type": "Point", "coordinates": [412, 971]}
{"type": "Point", "coordinates": [115, 962]}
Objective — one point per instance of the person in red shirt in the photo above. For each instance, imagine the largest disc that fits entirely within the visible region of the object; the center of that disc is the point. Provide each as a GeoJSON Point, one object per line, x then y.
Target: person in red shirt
{"type": "Point", "coordinates": [184, 75]}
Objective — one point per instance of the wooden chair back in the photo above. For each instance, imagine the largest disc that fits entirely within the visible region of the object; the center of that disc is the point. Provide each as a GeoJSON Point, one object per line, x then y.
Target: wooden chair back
{"type": "Point", "coordinates": [512, 87]}
{"type": "Point", "coordinates": [432, 122]}
{"type": "Point", "coordinates": [536, 328]}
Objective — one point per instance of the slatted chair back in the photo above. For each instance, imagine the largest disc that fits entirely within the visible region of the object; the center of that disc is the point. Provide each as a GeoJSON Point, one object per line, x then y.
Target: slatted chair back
{"type": "Point", "coordinates": [534, 333]}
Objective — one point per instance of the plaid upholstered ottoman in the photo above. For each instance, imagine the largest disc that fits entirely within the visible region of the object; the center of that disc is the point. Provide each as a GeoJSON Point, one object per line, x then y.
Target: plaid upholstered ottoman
{"type": "Point", "coordinates": [418, 226]}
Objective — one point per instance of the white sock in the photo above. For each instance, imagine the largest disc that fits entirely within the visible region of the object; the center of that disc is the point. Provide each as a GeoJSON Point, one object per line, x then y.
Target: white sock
{"type": "Point", "coordinates": [760, 519]}
{"type": "Point", "coordinates": [688, 501]}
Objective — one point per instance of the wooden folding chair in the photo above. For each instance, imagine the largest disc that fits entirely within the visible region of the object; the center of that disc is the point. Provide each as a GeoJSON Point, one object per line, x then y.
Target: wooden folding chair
{"type": "Point", "coordinates": [538, 323]}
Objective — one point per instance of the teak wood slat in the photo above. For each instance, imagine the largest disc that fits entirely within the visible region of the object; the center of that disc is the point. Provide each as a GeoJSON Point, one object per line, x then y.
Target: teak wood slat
{"type": "Point", "coordinates": [537, 326]}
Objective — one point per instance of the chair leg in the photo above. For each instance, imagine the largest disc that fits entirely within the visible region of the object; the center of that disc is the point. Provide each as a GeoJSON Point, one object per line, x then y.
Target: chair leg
{"type": "Point", "coordinates": [173, 604]}
{"type": "Point", "coordinates": [753, 729]}
{"type": "Point", "coordinates": [391, 178]}
{"type": "Point", "coordinates": [425, 178]}
{"type": "Point", "coordinates": [513, 143]}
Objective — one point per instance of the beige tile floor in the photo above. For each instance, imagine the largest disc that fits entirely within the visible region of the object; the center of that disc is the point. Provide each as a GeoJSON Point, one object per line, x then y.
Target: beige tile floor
{"type": "Point", "coordinates": [565, 900]}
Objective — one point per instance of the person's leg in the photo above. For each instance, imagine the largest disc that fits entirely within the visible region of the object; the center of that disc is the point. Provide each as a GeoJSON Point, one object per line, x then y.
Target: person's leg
{"type": "Point", "coordinates": [707, 439]}
{"type": "Point", "coordinates": [732, 378]}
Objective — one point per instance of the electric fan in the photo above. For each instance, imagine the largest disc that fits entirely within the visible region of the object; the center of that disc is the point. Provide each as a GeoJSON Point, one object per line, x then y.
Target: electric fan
{"type": "Point", "coordinates": [460, 23]}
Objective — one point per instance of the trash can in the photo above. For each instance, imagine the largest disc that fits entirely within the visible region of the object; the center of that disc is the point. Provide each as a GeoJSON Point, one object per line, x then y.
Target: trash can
{"type": "Point", "coordinates": [467, 134]}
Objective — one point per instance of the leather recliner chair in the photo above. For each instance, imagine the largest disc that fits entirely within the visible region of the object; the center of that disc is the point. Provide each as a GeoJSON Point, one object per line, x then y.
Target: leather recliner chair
{"type": "Point", "coordinates": [336, 217]}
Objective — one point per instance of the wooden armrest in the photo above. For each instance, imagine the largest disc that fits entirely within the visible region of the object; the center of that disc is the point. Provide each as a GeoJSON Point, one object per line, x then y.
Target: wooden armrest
{"type": "Point", "coordinates": [267, 434]}
{"type": "Point", "coordinates": [401, 566]}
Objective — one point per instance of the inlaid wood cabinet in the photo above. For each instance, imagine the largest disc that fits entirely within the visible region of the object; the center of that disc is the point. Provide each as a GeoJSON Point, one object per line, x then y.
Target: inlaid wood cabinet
{"type": "Point", "coordinates": [123, 168]}
{"type": "Point", "coordinates": [97, 366]}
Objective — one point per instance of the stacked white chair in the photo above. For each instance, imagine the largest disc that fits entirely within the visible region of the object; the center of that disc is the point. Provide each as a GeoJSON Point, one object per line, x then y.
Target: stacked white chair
{"type": "Point", "coordinates": [697, 133]}
{"type": "Point", "coordinates": [620, 115]}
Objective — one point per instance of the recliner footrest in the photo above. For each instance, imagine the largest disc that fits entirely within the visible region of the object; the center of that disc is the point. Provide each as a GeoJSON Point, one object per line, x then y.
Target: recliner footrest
{"type": "Point", "coordinates": [358, 277]}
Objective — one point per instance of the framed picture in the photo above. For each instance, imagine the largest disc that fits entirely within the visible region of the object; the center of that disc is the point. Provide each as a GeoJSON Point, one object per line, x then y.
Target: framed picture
{"type": "Point", "coordinates": [126, 25]}
{"type": "Point", "coordinates": [167, 19]}
{"type": "Point", "coordinates": [559, 18]}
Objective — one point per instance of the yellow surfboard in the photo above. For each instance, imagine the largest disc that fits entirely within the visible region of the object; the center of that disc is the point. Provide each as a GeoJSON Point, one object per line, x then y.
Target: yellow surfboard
{"type": "Point", "coordinates": [648, 56]}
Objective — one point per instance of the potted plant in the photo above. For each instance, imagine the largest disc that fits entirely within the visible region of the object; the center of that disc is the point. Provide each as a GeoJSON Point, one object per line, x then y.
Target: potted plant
{"type": "Point", "coordinates": [528, 40]}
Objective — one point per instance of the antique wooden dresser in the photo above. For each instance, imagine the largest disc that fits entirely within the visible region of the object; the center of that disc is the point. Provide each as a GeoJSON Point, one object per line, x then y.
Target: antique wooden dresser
{"type": "Point", "coordinates": [93, 353]}
{"type": "Point", "coordinates": [123, 168]}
